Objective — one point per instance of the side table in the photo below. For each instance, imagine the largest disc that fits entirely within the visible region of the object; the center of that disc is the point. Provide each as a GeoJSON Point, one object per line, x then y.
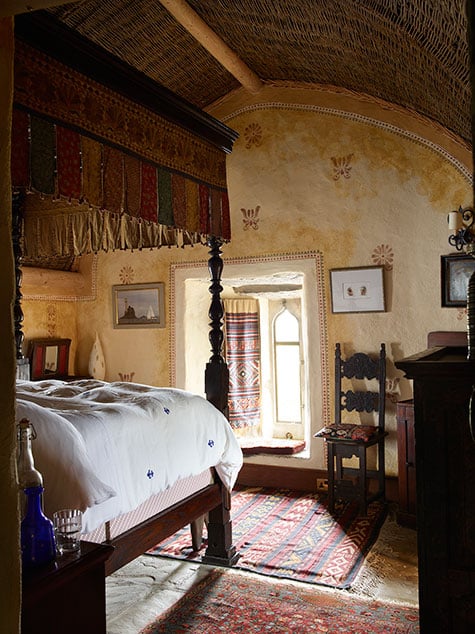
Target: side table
{"type": "Point", "coordinates": [67, 595]}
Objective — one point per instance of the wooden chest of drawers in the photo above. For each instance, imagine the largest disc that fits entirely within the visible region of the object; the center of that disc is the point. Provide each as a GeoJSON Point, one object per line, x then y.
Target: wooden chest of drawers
{"type": "Point", "coordinates": [406, 449]}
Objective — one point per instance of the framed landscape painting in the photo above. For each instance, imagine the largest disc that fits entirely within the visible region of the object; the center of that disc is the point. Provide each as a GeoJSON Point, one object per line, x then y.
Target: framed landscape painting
{"type": "Point", "coordinates": [139, 305]}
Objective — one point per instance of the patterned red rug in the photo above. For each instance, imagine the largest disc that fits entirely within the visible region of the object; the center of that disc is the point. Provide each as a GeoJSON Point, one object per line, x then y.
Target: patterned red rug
{"type": "Point", "coordinates": [290, 534]}
{"type": "Point", "coordinates": [232, 602]}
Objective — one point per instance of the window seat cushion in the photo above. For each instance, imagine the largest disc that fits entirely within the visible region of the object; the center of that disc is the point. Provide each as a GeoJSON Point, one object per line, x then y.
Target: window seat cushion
{"type": "Point", "coordinates": [346, 431]}
{"type": "Point", "coordinates": [276, 446]}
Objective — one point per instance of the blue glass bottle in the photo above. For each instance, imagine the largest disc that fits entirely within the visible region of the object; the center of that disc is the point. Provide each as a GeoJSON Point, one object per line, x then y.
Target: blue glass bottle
{"type": "Point", "coordinates": [37, 534]}
{"type": "Point", "coordinates": [38, 545]}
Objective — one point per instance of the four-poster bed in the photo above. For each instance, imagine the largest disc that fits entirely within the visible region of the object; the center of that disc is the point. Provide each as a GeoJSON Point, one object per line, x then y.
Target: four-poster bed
{"type": "Point", "coordinates": [119, 163]}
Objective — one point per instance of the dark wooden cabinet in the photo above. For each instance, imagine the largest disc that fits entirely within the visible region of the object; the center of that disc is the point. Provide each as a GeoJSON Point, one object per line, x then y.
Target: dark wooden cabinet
{"type": "Point", "coordinates": [67, 595]}
{"type": "Point", "coordinates": [445, 476]}
{"type": "Point", "coordinates": [406, 452]}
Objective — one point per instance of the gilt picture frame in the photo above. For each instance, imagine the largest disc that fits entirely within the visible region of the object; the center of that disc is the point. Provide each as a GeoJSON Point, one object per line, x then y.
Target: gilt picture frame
{"type": "Point", "coordinates": [455, 272]}
{"type": "Point", "coordinates": [358, 290]}
{"type": "Point", "coordinates": [139, 305]}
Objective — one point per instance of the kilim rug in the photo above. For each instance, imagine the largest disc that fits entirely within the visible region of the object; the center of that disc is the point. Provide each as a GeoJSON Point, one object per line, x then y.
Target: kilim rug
{"type": "Point", "coordinates": [290, 534]}
{"type": "Point", "coordinates": [234, 602]}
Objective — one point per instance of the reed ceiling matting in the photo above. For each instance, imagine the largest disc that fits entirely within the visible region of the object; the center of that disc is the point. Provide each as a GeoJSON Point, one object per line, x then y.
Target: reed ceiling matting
{"type": "Point", "coordinates": [413, 53]}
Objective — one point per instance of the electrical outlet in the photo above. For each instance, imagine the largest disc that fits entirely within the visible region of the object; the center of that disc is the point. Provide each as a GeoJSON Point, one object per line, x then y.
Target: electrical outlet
{"type": "Point", "coordinates": [322, 484]}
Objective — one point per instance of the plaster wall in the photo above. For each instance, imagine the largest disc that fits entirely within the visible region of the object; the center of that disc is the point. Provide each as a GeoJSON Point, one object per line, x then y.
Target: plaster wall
{"type": "Point", "coordinates": [364, 184]}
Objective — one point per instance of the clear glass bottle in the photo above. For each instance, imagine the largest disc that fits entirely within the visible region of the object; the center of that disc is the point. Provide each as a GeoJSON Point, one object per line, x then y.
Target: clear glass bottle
{"type": "Point", "coordinates": [28, 476]}
{"type": "Point", "coordinates": [36, 533]}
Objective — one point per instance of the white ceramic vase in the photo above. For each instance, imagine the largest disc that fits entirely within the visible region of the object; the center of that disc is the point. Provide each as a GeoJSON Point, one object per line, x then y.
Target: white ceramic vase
{"type": "Point", "coordinates": [97, 364]}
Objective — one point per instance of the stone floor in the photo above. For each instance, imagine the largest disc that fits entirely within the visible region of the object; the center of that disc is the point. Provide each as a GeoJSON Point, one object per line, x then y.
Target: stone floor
{"type": "Point", "coordinates": [143, 589]}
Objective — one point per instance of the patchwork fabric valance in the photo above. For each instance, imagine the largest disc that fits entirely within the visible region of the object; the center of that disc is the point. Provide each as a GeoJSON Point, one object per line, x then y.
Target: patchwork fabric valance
{"type": "Point", "coordinates": [110, 174]}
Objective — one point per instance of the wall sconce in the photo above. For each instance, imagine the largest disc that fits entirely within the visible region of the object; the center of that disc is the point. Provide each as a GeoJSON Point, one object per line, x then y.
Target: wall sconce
{"type": "Point", "coordinates": [461, 231]}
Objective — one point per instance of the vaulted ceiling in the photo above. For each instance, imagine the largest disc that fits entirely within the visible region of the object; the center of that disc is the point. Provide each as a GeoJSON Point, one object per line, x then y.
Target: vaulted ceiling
{"type": "Point", "coordinates": [413, 53]}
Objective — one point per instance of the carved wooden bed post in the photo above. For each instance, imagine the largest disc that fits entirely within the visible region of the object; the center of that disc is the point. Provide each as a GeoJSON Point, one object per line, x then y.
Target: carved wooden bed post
{"type": "Point", "coordinates": [220, 550]}
{"type": "Point", "coordinates": [23, 366]}
{"type": "Point", "coordinates": [216, 373]}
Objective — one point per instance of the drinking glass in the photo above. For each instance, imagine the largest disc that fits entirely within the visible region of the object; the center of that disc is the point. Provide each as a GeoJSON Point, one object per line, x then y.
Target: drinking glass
{"type": "Point", "coordinates": [67, 529]}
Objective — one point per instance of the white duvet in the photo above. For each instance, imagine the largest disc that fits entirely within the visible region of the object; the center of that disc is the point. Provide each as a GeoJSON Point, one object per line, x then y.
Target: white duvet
{"type": "Point", "coordinates": [106, 447]}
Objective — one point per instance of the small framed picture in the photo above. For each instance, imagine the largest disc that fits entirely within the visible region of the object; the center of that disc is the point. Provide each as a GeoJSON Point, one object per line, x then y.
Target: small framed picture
{"type": "Point", "coordinates": [139, 305]}
{"type": "Point", "coordinates": [455, 271]}
{"type": "Point", "coordinates": [357, 290]}
{"type": "Point", "coordinates": [49, 358]}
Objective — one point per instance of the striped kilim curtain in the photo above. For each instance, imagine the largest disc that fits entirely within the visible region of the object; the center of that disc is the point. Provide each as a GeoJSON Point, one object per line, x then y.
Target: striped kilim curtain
{"type": "Point", "coordinates": [243, 352]}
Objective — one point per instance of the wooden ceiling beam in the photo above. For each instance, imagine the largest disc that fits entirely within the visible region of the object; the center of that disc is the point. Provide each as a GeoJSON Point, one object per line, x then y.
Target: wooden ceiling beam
{"type": "Point", "coordinates": [198, 28]}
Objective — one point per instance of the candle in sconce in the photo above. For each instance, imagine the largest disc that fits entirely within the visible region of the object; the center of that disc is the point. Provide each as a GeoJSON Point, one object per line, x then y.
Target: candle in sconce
{"type": "Point", "coordinates": [452, 219]}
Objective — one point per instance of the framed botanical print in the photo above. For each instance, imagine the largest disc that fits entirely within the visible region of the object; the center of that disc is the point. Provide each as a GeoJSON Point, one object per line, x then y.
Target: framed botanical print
{"type": "Point", "coordinates": [357, 290]}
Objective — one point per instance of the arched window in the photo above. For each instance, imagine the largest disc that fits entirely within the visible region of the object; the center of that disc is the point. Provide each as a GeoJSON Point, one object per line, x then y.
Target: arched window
{"type": "Point", "coordinates": [287, 367]}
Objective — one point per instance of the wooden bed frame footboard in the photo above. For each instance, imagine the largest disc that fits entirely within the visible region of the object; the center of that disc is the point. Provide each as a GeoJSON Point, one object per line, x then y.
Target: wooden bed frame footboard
{"type": "Point", "coordinates": [137, 540]}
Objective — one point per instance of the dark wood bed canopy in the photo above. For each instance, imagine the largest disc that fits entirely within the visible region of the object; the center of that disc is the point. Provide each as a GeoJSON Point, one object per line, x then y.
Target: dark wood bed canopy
{"type": "Point", "coordinates": [188, 148]}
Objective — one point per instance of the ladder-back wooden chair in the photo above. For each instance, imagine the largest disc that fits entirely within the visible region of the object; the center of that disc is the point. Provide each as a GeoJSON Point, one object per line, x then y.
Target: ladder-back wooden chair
{"type": "Point", "coordinates": [345, 440]}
